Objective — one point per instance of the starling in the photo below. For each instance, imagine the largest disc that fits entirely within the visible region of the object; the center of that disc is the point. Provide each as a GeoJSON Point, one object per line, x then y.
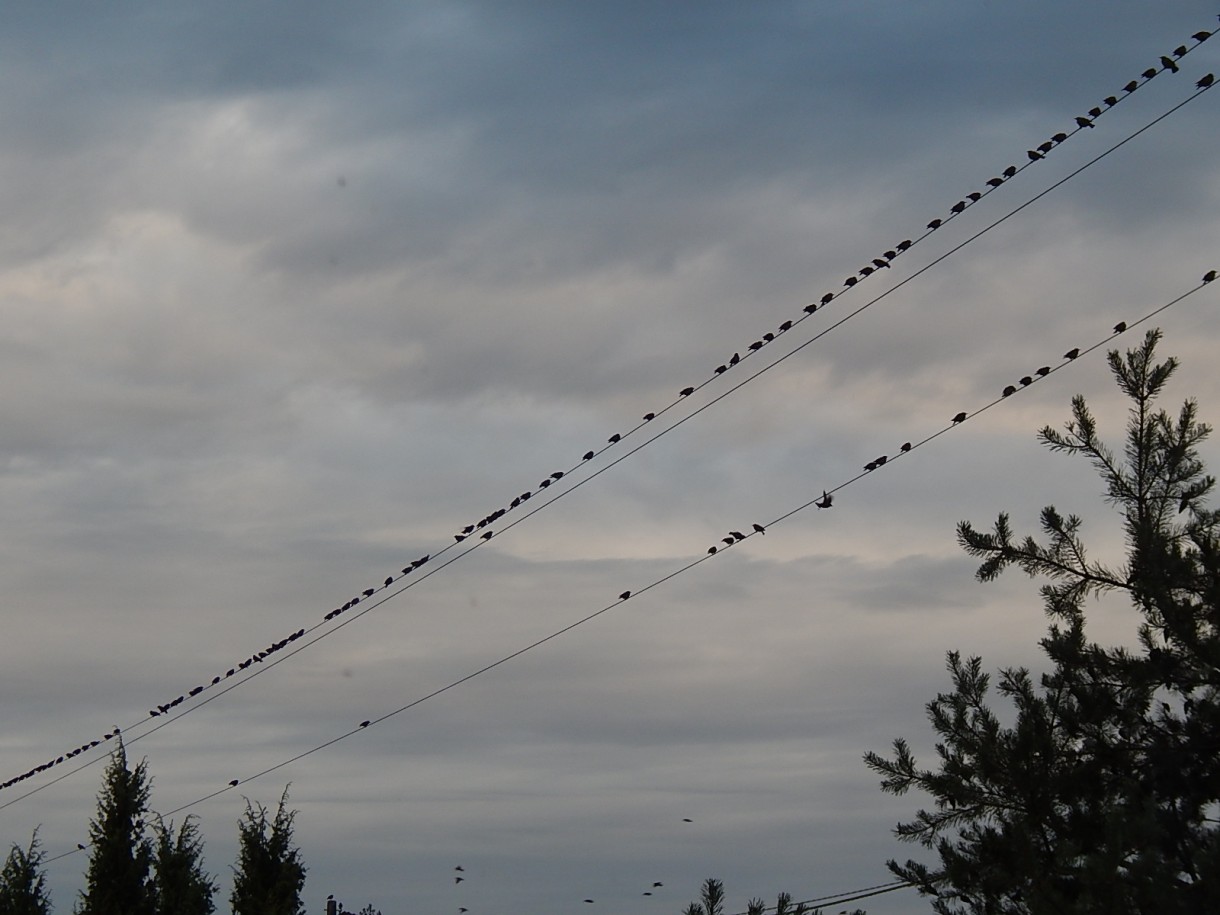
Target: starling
{"type": "Point", "coordinates": [1180, 51]}
{"type": "Point", "coordinates": [1034, 155]}
{"type": "Point", "coordinates": [737, 535]}
{"type": "Point", "coordinates": [686, 392]}
{"type": "Point", "coordinates": [1149, 73]}
{"type": "Point", "coordinates": [995, 182]}
{"type": "Point", "coordinates": [1059, 137]}
{"type": "Point", "coordinates": [1026, 381]}
{"type": "Point", "coordinates": [486, 535]}
{"type": "Point", "coordinates": [1046, 147]}
{"type": "Point", "coordinates": [720, 369]}
{"type": "Point", "coordinates": [153, 713]}
{"type": "Point", "coordinates": [811, 308]}
{"type": "Point", "coordinates": [687, 820]}
{"type": "Point", "coordinates": [1201, 36]}
{"type": "Point", "coordinates": [756, 345]}
{"type": "Point", "coordinates": [728, 541]}
{"type": "Point", "coordinates": [1131, 86]}
{"type": "Point", "coordinates": [880, 461]}
{"type": "Point", "coordinates": [588, 457]}
{"type": "Point", "coordinates": [614, 438]}
{"type": "Point", "coordinates": [458, 538]}
{"type": "Point", "coordinates": [197, 690]}
{"type": "Point", "coordinates": [958, 207]}
{"type": "Point", "coordinates": [657, 883]}
{"type": "Point", "coordinates": [1206, 81]}
{"type": "Point", "coordinates": [961, 417]}
{"type": "Point", "coordinates": [368, 592]}
{"type": "Point", "coordinates": [1044, 371]}
{"type": "Point", "coordinates": [785, 327]}
{"type": "Point", "coordinates": [468, 529]}
{"type": "Point", "coordinates": [1120, 327]}
{"type": "Point", "coordinates": [1209, 276]}
{"type": "Point", "coordinates": [768, 337]}
{"type": "Point", "coordinates": [1009, 391]}
{"type": "Point", "coordinates": [934, 224]}
{"type": "Point", "coordinates": [736, 359]}
{"type": "Point", "coordinates": [758, 528]}
{"type": "Point", "coordinates": [1110, 101]}
{"type": "Point", "coordinates": [1083, 122]}
{"type": "Point", "coordinates": [234, 783]}
{"type": "Point", "coordinates": [828, 298]}
{"type": "Point", "coordinates": [865, 271]}
{"type": "Point", "coordinates": [558, 474]}
{"type": "Point", "coordinates": [365, 723]}
{"type": "Point", "coordinates": [1094, 112]}
{"type": "Point", "coordinates": [825, 502]}
{"type": "Point", "coordinates": [850, 281]}
{"type": "Point", "coordinates": [1072, 353]}
{"type": "Point", "coordinates": [648, 417]}
{"type": "Point", "coordinates": [388, 582]}
{"type": "Point", "coordinates": [890, 255]}
{"type": "Point", "coordinates": [879, 263]}
{"type": "Point", "coordinates": [1168, 64]}
{"type": "Point", "coordinates": [1010, 171]}
{"type": "Point", "coordinates": [81, 847]}
{"type": "Point", "coordinates": [711, 550]}
{"type": "Point", "coordinates": [906, 446]}
{"type": "Point", "coordinates": [904, 244]}
{"type": "Point", "coordinates": [624, 595]}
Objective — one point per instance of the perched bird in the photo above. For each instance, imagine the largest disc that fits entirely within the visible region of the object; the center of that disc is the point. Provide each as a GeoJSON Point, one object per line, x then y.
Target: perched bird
{"type": "Point", "coordinates": [1009, 391]}
{"type": "Point", "coordinates": [758, 528]}
{"type": "Point", "coordinates": [215, 680]}
{"type": "Point", "coordinates": [365, 723]}
{"type": "Point", "coordinates": [234, 783]}
{"type": "Point", "coordinates": [368, 592]}
{"type": "Point", "coordinates": [197, 690]}
{"type": "Point", "coordinates": [1131, 86]}
{"type": "Point", "coordinates": [389, 581]}
{"type": "Point", "coordinates": [486, 535]}
{"type": "Point", "coordinates": [1059, 137]}
{"type": "Point", "coordinates": [720, 369]}
{"type": "Point", "coordinates": [81, 847]}
{"type": "Point", "coordinates": [1110, 101]}
{"type": "Point", "coordinates": [153, 713]}
{"type": "Point", "coordinates": [1180, 51]}
{"type": "Point", "coordinates": [959, 418]}
{"type": "Point", "coordinates": [811, 308]}
{"type": "Point", "coordinates": [1084, 122]}
{"type": "Point", "coordinates": [1209, 276]}
{"type": "Point", "coordinates": [735, 359]}
{"type": "Point", "coordinates": [648, 417]}
{"type": "Point", "coordinates": [469, 528]}
{"type": "Point", "coordinates": [624, 595]}
{"type": "Point", "coordinates": [850, 281]}
{"type": "Point", "coordinates": [756, 345]}
{"type": "Point", "coordinates": [1094, 112]}
{"type": "Point", "coordinates": [880, 461]}
{"type": "Point", "coordinates": [1026, 381]}
{"type": "Point", "coordinates": [588, 457]}
{"type": "Point", "coordinates": [1034, 155]}
{"type": "Point", "coordinates": [785, 327]}
{"type": "Point", "coordinates": [1009, 172]}
{"type": "Point", "coordinates": [904, 244]}
{"type": "Point", "coordinates": [880, 262]}
{"type": "Point", "coordinates": [1120, 327]}
{"type": "Point", "coordinates": [711, 551]}
{"type": "Point", "coordinates": [1072, 353]}
{"type": "Point", "coordinates": [1149, 73]}
{"type": "Point", "coordinates": [614, 438]}
{"type": "Point", "coordinates": [870, 466]}
{"type": "Point", "coordinates": [1201, 36]}
{"type": "Point", "coordinates": [558, 474]}
{"type": "Point", "coordinates": [768, 337]}
{"type": "Point", "coordinates": [1184, 502]}
{"type": "Point", "coordinates": [825, 502]}
{"type": "Point", "coordinates": [828, 298]}
{"type": "Point", "coordinates": [737, 535]}
{"type": "Point", "coordinates": [890, 255]}
{"type": "Point", "coordinates": [906, 446]}
{"type": "Point", "coordinates": [1206, 81]}
{"type": "Point", "coordinates": [1044, 371]}
{"type": "Point", "coordinates": [1168, 64]}
{"type": "Point", "coordinates": [975, 196]}
{"type": "Point", "coordinates": [1046, 147]}
{"type": "Point", "coordinates": [728, 541]}
{"type": "Point", "coordinates": [934, 224]}
{"type": "Point", "coordinates": [686, 392]}
{"type": "Point", "coordinates": [958, 207]}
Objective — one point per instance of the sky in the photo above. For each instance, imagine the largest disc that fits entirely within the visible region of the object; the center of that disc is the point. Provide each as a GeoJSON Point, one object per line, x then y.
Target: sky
{"type": "Point", "coordinates": [293, 293]}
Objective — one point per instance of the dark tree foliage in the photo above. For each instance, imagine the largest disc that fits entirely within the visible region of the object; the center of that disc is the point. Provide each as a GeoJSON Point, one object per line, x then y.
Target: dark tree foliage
{"type": "Point", "coordinates": [1103, 794]}
{"type": "Point", "coordinates": [117, 881]}
{"type": "Point", "coordinates": [180, 884]}
{"type": "Point", "coordinates": [269, 875]}
{"type": "Point", "coordinates": [23, 882]}
{"type": "Point", "coordinates": [711, 902]}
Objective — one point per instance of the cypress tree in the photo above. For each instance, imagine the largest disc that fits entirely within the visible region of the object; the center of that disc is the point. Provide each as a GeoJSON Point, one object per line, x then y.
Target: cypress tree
{"type": "Point", "coordinates": [23, 889]}
{"type": "Point", "coordinates": [117, 881]}
{"type": "Point", "coordinates": [269, 876]}
{"type": "Point", "coordinates": [180, 884]}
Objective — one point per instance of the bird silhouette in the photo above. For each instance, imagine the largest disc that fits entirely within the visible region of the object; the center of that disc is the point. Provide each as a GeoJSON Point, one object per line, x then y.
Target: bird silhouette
{"type": "Point", "coordinates": [811, 308]}
{"type": "Point", "coordinates": [711, 550]}
{"type": "Point", "coordinates": [850, 281]}
{"type": "Point", "coordinates": [1120, 327]}
{"type": "Point", "coordinates": [1084, 122]}
{"type": "Point", "coordinates": [1180, 51]}
{"type": "Point", "coordinates": [785, 327]}
{"type": "Point", "coordinates": [760, 529]}
{"type": "Point", "coordinates": [457, 880]}
{"type": "Point", "coordinates": [1046, 147]}
{"type": "Point", "coordinates": [1131, 86]}
{"type": "Point", "coordinates": [975, 196]}
{"type": "Point", "coordinates": [880, 262]}
{"type": "Point", "coordinates": [934, 224]}
{"type": "Point", "coordinates": [1044, 371]}
{"type": "Point", "coordinates": [828, 298]}
{"type": "Point", "coordinates": [460, 868]}
{"type": "Point", "coordinates": [904, 244]}
{"type": "Point", "coordinates": [737, 535]}
{"type": "Point", "coordinates": [1168, 64]}
{"type": "Point", "coordinates": [388, 582]}
{"type": "Point", "coordinates": [614, 438]}
{"type": "Point", "coordinates": [686, 392]}
{"type": "Point", "coordinates": [729, 541]}
{"type": "Point", "coordinates": [825, 501]}
{"type": "Point", "coordinates": [1209, 276]}
{"type": "Point", "coordinates": [960, 417]}
{"type": "Point", "coordinates": [958, 207]}
{"type": "Point", "coordinates": [1201, 36]}
{"type": "Point", "coordinates": [1094, 112]}
{"type": "Point", "coordinates": [1034, 155]}
{"type": "Point", "coordinates": [906, 446]}
{"type": "Point", "coordinates": [1149, 73]}
{"type": "Point", "coordinates": [647, 417]}
{"type": "Point", "coordinates": [1206, 81]}
{"type": "Point", "coordinates": [865, 271]}
{"type": "Point", "coordinates": [656, 884]}
{"type": "Point", "coordinates": [756, 345]}
{"type": "Point", "coordinates": [1026, 381]}
{"type": "Point", "coordinates": [368, 592]}
{"type": "Point", "coordinates": [687, 820]}
{"type": "Point", "coordinates": [624, 595]}
{"type": "Point", "coordinates": [81, 847]}
{"type": "Point", "coordinates": [234, 783]}
{"type": "Point", "coordinates": [870, 466]}
{"type": "Point", "coordinates": [1110, 101]}
{"type": "Point", "coordinates": [588, 457]}
{"type": "Point", "coordinates": [1072, 353]}
{"type": "Point", "coordinates": [720, 369]}
{"type": "Point", "coordinates": [736, 358]}
{"type": "Point", "coordinates": [1008, 391]}
{"type": "Point", "coordinates": [365, 723]}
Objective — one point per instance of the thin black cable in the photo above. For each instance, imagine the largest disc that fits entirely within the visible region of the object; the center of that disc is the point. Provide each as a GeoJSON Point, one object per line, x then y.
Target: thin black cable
{"type": "Point", "coordinates": [536, 508]}
{"type": "Point", "coordinates": [848, 896]}
{"type": "Point", "coordinates": [960, 419]}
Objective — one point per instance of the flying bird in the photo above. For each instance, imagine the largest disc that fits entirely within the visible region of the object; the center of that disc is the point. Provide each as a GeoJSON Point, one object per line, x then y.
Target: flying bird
{"type": "Point", "coordinates": [460, 868]}
{"type": "Point", "coordinates": [457, 880]}
{"type": "Point", "coordinates": [960, 418]}
{"type": "Point", "coordinates": [657, 883]}
{"type": "Point", "coordinates": [1072, 353]}
{"type": "Point", "coordinates": [1206, 81]}
{"type": "Point", "coordinates": [687, 820]}
{"type": "Point", "coordinates": [825, 502]}
{"type": "Point", "coordinates": [1120, 327]}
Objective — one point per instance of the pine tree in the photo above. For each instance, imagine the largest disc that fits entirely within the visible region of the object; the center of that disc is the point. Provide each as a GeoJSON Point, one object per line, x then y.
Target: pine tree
{"type": "Point", "coordinates": [1102, 795]}
{"type": "Point", "coordinates": [180, 884]}
{"type": "Point", "coordinates": [23, 883]}
{"type": "Point", "coordinates": [117, 882]}
{"type": "Point", "coordinates": [269, 876]}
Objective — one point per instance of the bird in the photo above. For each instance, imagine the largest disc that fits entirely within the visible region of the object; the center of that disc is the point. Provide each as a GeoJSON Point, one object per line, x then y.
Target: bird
{"type": "Point", "coordinates": [1120, 327]}
{"type": "Point", "coordinates": [1008, 391]}
{"type": "Point", "coordinates": [588, 457]}
{"type": "Point", "coordinates": [959, 418]}
{"type": "Point", "coordinates": [197, 690]}
{"type": "Point", "coordinates": [153, 713]}
{"type": "Point", "coordinates": [728, 541]}
{"type": "Point", "coordinates": [811, 308]}
{"type": "Point", "coordinates": [870, 466]}
{"type": "Point", "coordinates": [1026, 381]}
{"type": "Point", "coordinates": [648, 417]}
{"type": "Point", "coordinates": [1084, 122]}
{"type": "Point", "coordinates": [1094, 112]}
{"type": "Point", "coordinates": [81, 847]}
{"type": "Point", "coordinates": [828, 298]}
{"type": "Point", "coordinates": [881, 262]}
{"type": "Point", "coordinates": [1180, 51]}
{"type": "Point", "coordinates": [756, 345]}
{"type": "Point", "coordinates": [646, 893]}
{"type": "Point", "coordinates": [614, 438]}
{"type": "Point", "coordinates": [711, 551]}
{"type": "Point", "coordinates": [1201, 36]}
{"type": "Point", "coordinates": [1131, 86]}
{"type": "Point", "coordinates": [588, 900]}
{"type": "Point", "coordinates": [958, 207]}
{"type": "Point", "coordinates": [457, 880]}
{"type": "Point", "coordinates": [825, 501]}
{"type": "Point", "coordinates": [934, 224]}
{"type": "Point", "coordinates": [558, 474]}
{"type": "Point", "coordinates": [389, 581]}
{"type": "Point", "coordinates": [686, 392]}
{"type": "Point", "coordinates": [1034, 155]}
{"type": "Point", "coordinates": [1044, 371]}
{"type": "Point", "coordinates": [234, 783]}
{"type": "Point", "coordinates": [758, 528]}
{"type": "Point", "coordinates": [904, 244]}
{"type": "Point", "coordinates": [624, 595]}
{"type": "Point", "coordinates": [1149, 73]}
{"type": "Point", "coordinates": [1072, 353]}
{"type": "Point", "coordinates": [768, 337]}
{"type": "Point", "coordinates": [720, 369]}
{"type": "Point", "coordinates": [785, 327]}
{"type": "Point", "coordinates": [850, 281]}
{"type": "Point", "coordinates": [215, 680]}
{"type": "Point", "coordinates": [995, 182]}
{"type": "Point", "coordinates": [736, 358]}
{"type": "Point", "coordinates": [486, 535]}
{"type": "Point", "coordinates": [737, 535]}
{"type": "Point", "coordinates": [365, 723]}
{"type": "Point", "coordinates": [460, 868]}
{"type": "Point", "coordinates": [890, 255]}
{"type": "Point", "coordinates": [657, 883]}
{"type": "Point", "coordinates": [1168, 64]}
{"type": "Point", "coordinates": [1209, 276]}
{"type": "Point", "coordinates": [1110, 101]}
{"type": "Point", "coordinates": [906, 446]}
{"type": "Point", "coordinates": [368, 592]}
{"type": "Point", "coordinates": [1206, 81]}
{"type": "Point", "coordinates": [469, 528]}
{"type": "Point", "coordinates": [1045, 147]}
{"type": "Point", "coordinates": [687, 820]}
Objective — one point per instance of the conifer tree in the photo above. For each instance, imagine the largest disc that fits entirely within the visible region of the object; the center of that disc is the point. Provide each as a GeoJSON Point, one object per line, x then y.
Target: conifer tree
{"type": "Point", "coordinates": [269, 876]}
{"type": "Point", "coordinates": [1102, 795]}
{"type": "Point", "coordinates": [117, 881]}
{"type": "Point", "coordinates": [23, 883]}
{"type": "Point", "coordinates": [180, 884]}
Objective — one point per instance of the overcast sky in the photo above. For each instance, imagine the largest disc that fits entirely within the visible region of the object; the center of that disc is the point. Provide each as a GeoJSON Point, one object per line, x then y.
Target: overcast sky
{"type": "Point", "coordinates": [293, 293]}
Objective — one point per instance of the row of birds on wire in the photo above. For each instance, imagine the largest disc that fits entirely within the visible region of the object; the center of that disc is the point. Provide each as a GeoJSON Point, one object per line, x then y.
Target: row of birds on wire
{"type": "Point", "coordinates": [482, 528]}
